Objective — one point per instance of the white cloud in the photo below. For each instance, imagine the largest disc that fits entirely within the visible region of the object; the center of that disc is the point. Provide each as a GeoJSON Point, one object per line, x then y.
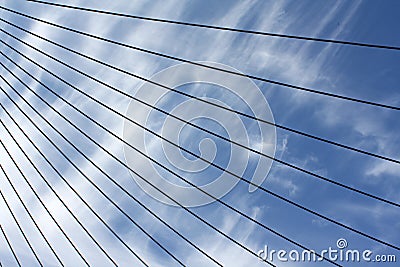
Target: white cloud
{"type": "Point", "coordinates": [384, 167]}
{"type": "Point", "coordinates": [295, 64]}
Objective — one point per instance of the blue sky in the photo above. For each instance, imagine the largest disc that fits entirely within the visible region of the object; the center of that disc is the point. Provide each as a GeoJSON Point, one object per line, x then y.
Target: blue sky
{"type": "Point", "coordinates": [364, 73]}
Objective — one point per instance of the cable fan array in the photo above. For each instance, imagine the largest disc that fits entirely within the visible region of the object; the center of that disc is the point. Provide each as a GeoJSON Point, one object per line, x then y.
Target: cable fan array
{"type": "Point", "coordinates": [12, 97]}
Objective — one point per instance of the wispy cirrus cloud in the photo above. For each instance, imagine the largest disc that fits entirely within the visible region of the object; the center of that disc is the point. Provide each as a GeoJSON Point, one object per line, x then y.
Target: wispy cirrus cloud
{"type": "Point", "coordinates": [293, 62]}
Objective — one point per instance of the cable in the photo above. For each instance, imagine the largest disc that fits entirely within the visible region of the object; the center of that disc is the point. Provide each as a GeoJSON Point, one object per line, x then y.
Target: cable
{"type": "Point", "coordinates": [47, 160]}
{"type": "Point", "coordinates": [395, 204]}
{"type": "Point", "coordinates": [201, 99]}
{"type": "Point", "coordinates": [51, 188]}
{"type": "Point", "coordinates": [154, 161]}
{"type": "Point", "coordinates": [267, 191]}
{"type": "Point", "coordinates": [143, 205]}
{"type": "Point", "coordinates": [211, 163]}
{"type": "Point", "coordinates": [212, 133]}
{"type": "Point", "coordinates": [10, 246]}
{"type": "Point", "coordinates": [202, 65]}
{"type": "Point", "coordinates": [79, 170]}
{"type": "Point", "coordinates": [30, 214]}
{"type": "Point", "coordinates": [135, 199]}
{"type": "Point", "coordinates": [109, 177]}
{"type": "Point", "coordinates": [122, 163]}
{"type": "Point", "coordinates": [169, 170]}
{"type": "Point", "coordinates": [15, 219]}
{"type": "Point", "coordinates": [214, 27]}
{"type": "Point", "coordinates": [119, 161]}
{"type": "Point", "coordinates": [41, 202]}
